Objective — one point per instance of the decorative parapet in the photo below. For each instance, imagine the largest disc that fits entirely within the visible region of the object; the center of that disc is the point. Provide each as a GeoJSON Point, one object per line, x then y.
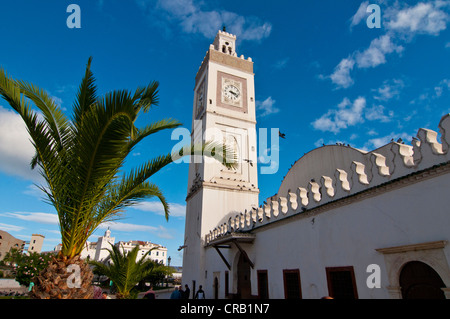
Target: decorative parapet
{"type": "Point", "coordinates": [388, 163]}
{"type": "Point", "coordinates": [232, 60]}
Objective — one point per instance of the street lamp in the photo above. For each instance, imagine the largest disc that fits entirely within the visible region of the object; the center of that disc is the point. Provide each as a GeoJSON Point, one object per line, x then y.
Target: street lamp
{"type": "Point", "coordinates": [169, 259]}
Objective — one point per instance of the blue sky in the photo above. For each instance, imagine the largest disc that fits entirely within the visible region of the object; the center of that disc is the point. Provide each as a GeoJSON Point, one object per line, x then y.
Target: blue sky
{"type": "Point", "coordinates": [322, 76]}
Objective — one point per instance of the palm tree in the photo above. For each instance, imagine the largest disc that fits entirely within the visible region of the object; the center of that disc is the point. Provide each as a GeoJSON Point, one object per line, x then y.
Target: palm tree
{"type": "Point", "coordinates": [124, 269]}
{"type": "Point", "coordinates": [81, 160]}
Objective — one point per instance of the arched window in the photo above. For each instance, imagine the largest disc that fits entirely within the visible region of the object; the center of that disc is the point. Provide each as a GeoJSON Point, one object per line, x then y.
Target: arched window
{"type": "Point", "coordinates": [232, 143]}
{"type": "Point", "coordinates": [420, 281]}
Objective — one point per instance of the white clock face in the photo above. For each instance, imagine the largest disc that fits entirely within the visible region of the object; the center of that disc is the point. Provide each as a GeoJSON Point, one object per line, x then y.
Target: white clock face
{"type": "Point", "coordinates": [200, 100]}
{"type": "Point", "coordinates": [232, 93]}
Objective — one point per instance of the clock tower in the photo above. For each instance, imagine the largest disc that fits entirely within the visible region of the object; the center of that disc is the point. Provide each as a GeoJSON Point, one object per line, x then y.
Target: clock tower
{"type": "Point", "coordinates": [224, 110]}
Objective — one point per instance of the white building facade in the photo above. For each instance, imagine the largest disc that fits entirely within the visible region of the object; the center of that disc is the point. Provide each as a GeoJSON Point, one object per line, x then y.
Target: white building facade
{"type": "Point", "coordinates": [157, 253]}
{"type": "Point", "coordinates": [345, 223]}
{"type": "Point", "coordinates": [35, 244]}
{"type": "Point", "coordinates": [98, 250]}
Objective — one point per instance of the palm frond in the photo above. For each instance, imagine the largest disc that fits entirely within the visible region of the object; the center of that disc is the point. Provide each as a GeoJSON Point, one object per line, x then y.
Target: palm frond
{"type": "Point", "coordinates": [127, 194]}
{"type": "Point", "coordinates": [86, 95]}
{"type": "Point", "coordinates": [56, 120]}
{"type": "Point", "coordinates": [124, 268]}
{"type": "Point", "coordinates": [221, 152]}
{"type": "Point", "coordinates": [100, 148]}
{"type": "Point", "coordinates": [146, 97]}
{"type": "Point", "coordinates": [48, 154]}
{"type": "Point", "coordinates": [150, 129]}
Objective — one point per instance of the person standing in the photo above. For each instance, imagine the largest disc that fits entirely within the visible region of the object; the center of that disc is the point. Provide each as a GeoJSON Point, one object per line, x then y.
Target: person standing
{"type": "Point", "coordinates": [175, 294]}
{"type": "Point", "coordinates": [200, 293]}
{"type": "Point", "coordinates": [111, 284]}
{"type": "Point", "coordinates": [180, 289]}
{"type": "Point", "coordinates": [187, 291]}
{"type": "Point", "coordinates": [97, 292]}
{"type": "Point", "coordinates": [150, 294]}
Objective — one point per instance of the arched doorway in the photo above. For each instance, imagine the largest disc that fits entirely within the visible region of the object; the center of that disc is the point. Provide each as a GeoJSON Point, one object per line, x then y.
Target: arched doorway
{"type": "Point", "coordinates": [243, 276]}
{"type": "Point", "coordinates": [420, 281]}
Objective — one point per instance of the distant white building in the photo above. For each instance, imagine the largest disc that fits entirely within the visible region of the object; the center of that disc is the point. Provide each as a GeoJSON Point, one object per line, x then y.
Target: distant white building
{"type": "Point", "coordinates": [158, 253]}
{"type": "Point", "coordinates": [99, 250]}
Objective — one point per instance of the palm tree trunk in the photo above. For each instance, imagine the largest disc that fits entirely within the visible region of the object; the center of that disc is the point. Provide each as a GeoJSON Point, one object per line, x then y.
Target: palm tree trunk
{"type": "Point", "coordinates": [64, 279]}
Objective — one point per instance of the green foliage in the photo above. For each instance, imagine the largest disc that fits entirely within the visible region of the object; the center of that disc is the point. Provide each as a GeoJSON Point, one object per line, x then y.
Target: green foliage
{"type": "Point", "coordinates": [13, 256]}
{"type": "Point", "coordinates": [124, 269]}
{"type": "Point", "coordinates": [81, 158]}
{"type": "Point", "coordinates": [158, 273]}
{"type": "Point", "coordinates": [27, 266]}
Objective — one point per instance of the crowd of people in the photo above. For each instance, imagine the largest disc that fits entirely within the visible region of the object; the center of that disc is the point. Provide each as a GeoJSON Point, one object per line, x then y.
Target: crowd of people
{"type": "Point", "coordinates": [178, 293]}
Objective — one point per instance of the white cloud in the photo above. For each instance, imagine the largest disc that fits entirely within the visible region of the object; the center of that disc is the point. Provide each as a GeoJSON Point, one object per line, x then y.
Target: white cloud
{"type": "Point", "coordinates": [38, 217]}
{"type": "Point", "coordinates": [320, 142]}
{"type": "Point", "coordinates": [347, 114]}
{"type": "Point", "coordinates": [281, 64]}
{"type": "Point", "coordinates": [426, 18]}
{"type": "Point", "coordinates": [438, 91]}
{"type": "Point", "coordinates": [429, 94]}
{"type": "Point", "coordinates": [402, 25]}
{"type": "Point", "coordinates": [10, 228]}
{"type": "Point", "coordinates": [16, 150]}
{"type": "Point", "coordinates": [193, 18]}
{"type": "Point", "coordinates": [376, 53]}
{"type": "Point", "coordinates": [389, 90]}
{"type": "Point", "coordinates": [441, 87]}
{"type": "Point", "coordinates": [176, 210]}
{"type": "Point", "coordinates": [126, 227]}
{"type": "Point", "coordinates": [360, 14]}
{"type": "Point", "coordinates": [57, 100]}
{"type": "Point", "coordinates": [159, 231]}
{"type": "Point", "coordinates": [35, 191]}
{"type": "Point", "coordinates": [267, 155]}
{"type": "Point", "coordinates": [341, 75]}
{"type": "Point", "coordinates": [381, 141]}
{"type": "Point", "coordinates": [373, 56]}
{"type": "Point", "coordinates": [350, 113]}
{"type": "Point", "coordinates": [178, 7]}
{"type": "Point", "coordinates": [410, 116]}
{"type": "Point", "coordinates": [164, 233]}
{"type": "Point", "coordinates": [267, 106]}
{"type": "Point", "coordinates": [376, 112]}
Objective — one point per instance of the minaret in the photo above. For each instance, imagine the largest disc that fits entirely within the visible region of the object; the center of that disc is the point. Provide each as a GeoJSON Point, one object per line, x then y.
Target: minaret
{"type": "Point", "coordinates": [104, 243]}
{"type": "Point", "coordinates": [223, 110]}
